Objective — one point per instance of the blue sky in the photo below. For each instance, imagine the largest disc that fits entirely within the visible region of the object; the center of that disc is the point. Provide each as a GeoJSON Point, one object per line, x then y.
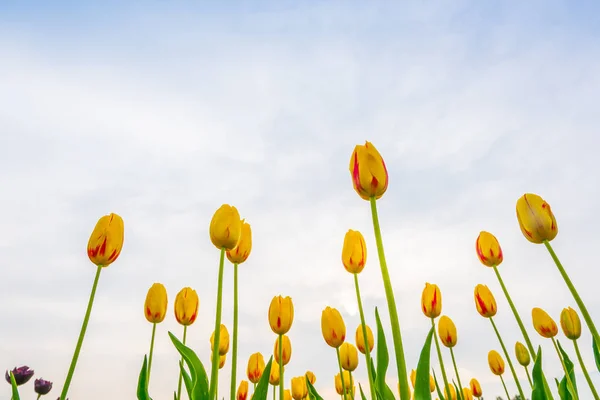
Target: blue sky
{"type": "Point", "coordinates": [163, 111]}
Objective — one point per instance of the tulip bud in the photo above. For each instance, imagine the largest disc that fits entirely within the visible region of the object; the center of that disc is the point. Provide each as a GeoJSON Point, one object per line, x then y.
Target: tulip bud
{"type": "Point", "coordinates": [368, 172]}
{"type": "Point", "coordinates": [360, 340]}
{"type": "Point", "coordinates": [543, 323]}
{"type": "Point", "coordinates": [287, 349]}
{"type": "Point", "coordinates": [522, 354]}
{"type": "Point", "coordinates": [488, 249]}
{"type": "Point", "coordinates": [413, 378]}
{"type": "Point", "coordinates": [348, 356]}
{"type": "Point", "coordinates": [536, 219]}
{"type": "Point", "coordinates": [354, 252]}
{"type": "Point", "coordinates": [186, 306]}
{"type": "Point", "coordinates": [333, 327]}
{"type": "Point", "coordinates": [299, 389]}
{"type": "Point", "coordinates": [42, 387]}
{"type": "Point", "coordinates": [447, 332]}
{"type": "Point", "coordinates": [431, 384]}
{"type": "Point", "coordinates": [155, 307]}
{"type": "Point", "coordinates": [242, 392]}
{"type": "Point", "coordinates": [256, 366]}
{"type": "Point", "coordinates": [106, 240]}
{"type": "Point", "coordinates": [311, 377]}
{"type": "Point", "coordinates": [467, 394]}
{"type": "Point", "coordinates": [225, 227]}
{"type": "Point", "coordinates": [241, 252]}
{"type": "Point", "coordinates": [22, 375]}
{"type": "Point", "coordinates": [281, 314]}
{"type": "Point", "coordinates": [221, 359]}
{"type": "Point", "coordinates": [475, 388]}
{"type": "Point", "coordinates": [223, 341]}
{"type": "Point", "coordinates": [274, 376]}
{"type": "Point", "coordinates": [570, 323]}
{"type": "Point", "coordinates": [496, 362]}
{"type": "Point", "coordinates": [452, 394]}
{"type": "Point", "coordinates": [431, 301]}
{"type": "Point", "coordinates": [485, 301]}
{"type": "Point", "coordinates": [347, 383]}
{"type": "Point", "coordinates": [287, 395]}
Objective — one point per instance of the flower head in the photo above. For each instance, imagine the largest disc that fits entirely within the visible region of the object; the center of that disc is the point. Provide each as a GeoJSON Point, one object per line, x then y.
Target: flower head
{"type": "Point", "coordinates": [286, 349]}
{"type": "Point", "coordinates": [299, 388]}
{"type": "Point", "coordinates": [106, 240]}
{"type": "Point", "coordinates": [536, 219]}
{"type": "Point", "coordinates": [431, 301]}
{"type": "Point", "coordinates": [354, 252]}
{"type": "Point", "coordinates": [242, 392]}
{"type": "Point", "coordinates": [467, 395]}
{"type": "Point", "coordinates": [488, 249]}
{"type": "Point", "coordinates": [41, 386]}
{"type": "Point", "coordinates": [368, 172]}
{"type": "Point", "coordinates": [311, 377]}
{"type": "Point", "coordinates": [522, 354]}
{"type": "Point", "coordinates": [241, 252]}
{"type": "Point", "coordinates": [447, 331]}
{"type": "Point", "coordinates": [281, 314]}
{"type": "Point", "coordinates": [155, 307]}
{"type": "Point", "coordinates": [338, 383]}
{"type": "Point", "coordinates": [543, 323]}
{"type": "Point", "coordinates": [485, 301]}
{"type": "Point", "coordinates": [22, 375]}
{"type": "Point", "coordinates": [570, 323]}
{"type": "Point", "coordinates": [333, 327]}
{"type": "Point", "coordinates": [360, 339]}
{"type": "Point", "coordinates": [496, 362]}
{"type": "Point", "coordinates": [256, 366]}
{"type": "Point", "coordinates": [475, 388]}
{"type": "Point", "coordinates": [225, 227]}
{"type": "Point", "coordinates": [348, 356]}
{"type": "Point", "coordinates": [186, 306]}
{"type": "Point", "coordinates": [274, 375]}
{"type": "Point", "coordinates": [223, 341]}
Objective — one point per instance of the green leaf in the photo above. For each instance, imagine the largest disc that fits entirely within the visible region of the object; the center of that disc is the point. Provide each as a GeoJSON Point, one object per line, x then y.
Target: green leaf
{"type": "Point", "coordinates": [382, 362]}
{"type": "Point", "coordinates": [458, 390]}
{"type": "Point", "coordinates": [422, 380]}
{"type": "Point", "coordinates": [437, 386]}
{"type": "Point", "coordinates": [15, 391]}
{"type": "Point", "coordinates": [187, 380]}
{"type": "Point", "coordinates": [312, 391]}
{"type": "Point", "coordinates": [142, 389]}
{"type": "Point", "coordinates": [541, 390]}
{"type": "Point", "coordinates": [596, 354]}
{"type": "Point", "coordinates": [262, 388]}
{"type": "Point", "coordinates": [197, 372]}
{"type": "Point", "coordinates": [568, 392]}
{"type": "Point", "coordinates": [362, 394]}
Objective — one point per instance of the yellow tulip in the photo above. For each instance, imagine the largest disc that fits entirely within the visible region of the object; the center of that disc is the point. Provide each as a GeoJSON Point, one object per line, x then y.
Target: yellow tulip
{"type": "Point", "coordinates": [447, 332]}
{"type": "Point", "coordinates": [431, 301]}
{"type": "Point", "coordinates": [155, 307]}
{"type": "Point", "coordinates": [496, 362]}
{"type": "Point", "coordinates": [570, 323]}
{"type": "Point", "coordinates": [299, 389]}
{"type": "Point", "coordinates": [354, 252]}
{"type": "Point", "coordinates": [186, 306]}
{"type": "Point", "coordinates": [333, 327]}
{"type": "Point", "coordinates": [413, 377]}
{"type": "Point", "coordinates": [221, 359]}
{"type": "Point", "coordinates": [347, 383]}
{"type": "Point", "coordinates": [274, 376]}
{"type": "Point", "coordinates": [256, 366]}
{"type": "Point", "coordinates": [241, 252]}
{"type": "Point", "coordinates": [311, 377]}
{"type": "Point", "coordinates": [225, 227]}
{"type": "Point", "coordinates": [485, 301]}
{"type": "Point", "coordinates": [242, 392]}
{"type": "Point", "coordinates": [223, 341]}
{"type": "Point", "coordinates": [287, 349]}
{"type": "Point", "coordinates": [287, 395]}
{"type": "Point", "coordinates": [106, 240]}
{"type": "Point", "coordinates": [475, 388]}
{"type": "Point", "coordinates": [488, 249]}
{"type": "Point", "coordinates": [543, 323]}
{"type": "Point", "coordinates": [348, 356]}
{"type": "Point", "coordinates": [281, 314]}
{"type": "Point", "coordinates": [368, 172]}
{"type": "Point", "coordinates": [467, 395]}
{"type": "Point", "coordinates": [522, 354]}
{"type": "Point", "coordinates": [536, 219]}
{"type": "Point", "coordinates": [452, 395]}
{"type": "Point", "coordinates": [360, 340]}
{"type": "Point", "coordinates": [431, 383]}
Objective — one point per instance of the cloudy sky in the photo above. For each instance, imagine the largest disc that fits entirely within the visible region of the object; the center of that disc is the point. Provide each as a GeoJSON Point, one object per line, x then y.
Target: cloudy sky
{"type": "Point", "coordinates": [163, 111]}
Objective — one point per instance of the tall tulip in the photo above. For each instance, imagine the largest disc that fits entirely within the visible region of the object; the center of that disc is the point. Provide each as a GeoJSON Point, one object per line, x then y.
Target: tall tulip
{"type": "Point", "coordinates": [475, 388]}
{"type": "Point", "coordinates": [223, 341]}
{"type": "Point", "coordinates": [496, 364]}
{"type": "Point", "coordinates": [186, 311]}
{"type": "Point", "coordinates": [449, 337]}
{"type": "Point", "coordinates": [299, 389]}
{"type": "Point", "coordinates": [523, 358]}
{"type": "Point", "coordinates": [242, 392]}
{"type": "Point", "coordinates": [431, 305]}
{"type": "Point", "coordinates": [281, 316]}
{"type": "Point", "coordinates": [256, 366]}
{"type": "Point", "coordinates": [155, 310]}
{"type": "Point", "coordinates": [286, 352]}
{"type": "Point", "coordinates": [334, 333]}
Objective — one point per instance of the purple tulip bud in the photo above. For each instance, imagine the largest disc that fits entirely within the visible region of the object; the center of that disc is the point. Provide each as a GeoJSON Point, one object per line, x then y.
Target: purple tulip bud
{"type": "Point", "coordinates": [41, 386]}
{"type": "Point", "coordinates": [22, 375]}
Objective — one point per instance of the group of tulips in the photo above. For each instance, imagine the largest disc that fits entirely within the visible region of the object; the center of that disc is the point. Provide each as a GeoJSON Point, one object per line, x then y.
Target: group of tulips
{"type": "Point", "coordinates": [232, 236]}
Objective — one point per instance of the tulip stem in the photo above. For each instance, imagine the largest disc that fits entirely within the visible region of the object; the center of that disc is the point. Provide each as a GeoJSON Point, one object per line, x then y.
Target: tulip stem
{"type": "Point", "coordinates": [365, 337]}
{"type": "Point", "coordinates": [582, 308]}
{"type": "Point", "coordinates": [181, 362]}
{"type": "Point", "coordinates": [460, 395]}
{"type": "Point", "coordinates": [567, 375]}
{"type": "Point", "coordinates": [151, 353]}
{"type": "Point", "coordinates": [516, 314]}
{"type": "Point", "coordinates": [351, 385]}
{"type": "Point", "coordinates": [215, 356]}
{"type": "Point", "coordinates": [389, 294]}
{"type": "Point", "coordinates": [528, 377]}
{"type": "Point", "coordinates": [235, 332]}
{"type": "Point", "coordinates": [505, 389]}
{"type": "Point", "coordinates": [281, 396]}
{"type": "Point", "coordinates": [337, 350]}
{"type": "Point", "coordinates": [585, 372]}
{"type": "Point", "coordinates": [39, 395]}
{"type": "Point", "coordinates": [63, 395]}
{"type": "Point", "coordinates": [510, 364]}
{"type": "Point", "coordinates": [439, 352]}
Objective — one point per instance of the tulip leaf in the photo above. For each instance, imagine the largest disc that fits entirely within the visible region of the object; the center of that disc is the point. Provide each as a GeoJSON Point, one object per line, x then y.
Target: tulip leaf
{"type": "Point", "coordinates": [541, 390]}
{"type": "Point", "coordinates": [437, 386]}
{"type": "Point", "coordinates": [262, 388]}
{"type": "Point", "coordinates": [15, 391]}
{"type": "Point", "coordinates": [187, 380]}
{"type": "Point", "coordinates": [362, 394]}
{"type": "Point", "coordinates": [459, 395]}
{"type": "Point", "coordinates": [596, 354]}
{"type": "Point", "coordinates": [422, 391]}
{"type": "Point", "coordinates": [197, 372]}
{"type": "Point", "coordinates": [142, 389]}
{"type": "Point", "coordinates": [312, 391]}
{"type": "Point", "coordinates": [382, 361]}
{"type": "Point", "coordinates": [569, 393]}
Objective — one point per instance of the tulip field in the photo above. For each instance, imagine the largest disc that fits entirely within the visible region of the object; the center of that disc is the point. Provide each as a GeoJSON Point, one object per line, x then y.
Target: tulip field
{"type": "Point", "coordinates": [264, 376]}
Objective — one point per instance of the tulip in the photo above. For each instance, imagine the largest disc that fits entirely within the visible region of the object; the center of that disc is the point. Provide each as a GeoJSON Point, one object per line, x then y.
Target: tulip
{"type": "Point", "coordinates": [495, 362]}
{"type": "Point", "coordinates": [467, 395]}
{"type": "Point", "coordinates": [281, 314]}
{"type": "Point", "coordinates": [570, 323]}
{"type": "Point", "coordinates": [256, 366]}
{"type": "Point", "coordinates": [299, 389]}
{"type": "Point", "coordinates": [22, 375]}
{"type": "Point", "coordinates": [221, 360]}
{"type": "Point", "coordinates": [155, 309]}
{"type": "Point", "coordinates": [341, 383]}
{"type": "Point", "coordinates": [485, 301]}
{"type": "Point", "coordinates": [274, 376]}
{"type": "Point", "coordinates": [106, 241]}
{"type": "Point", "coordinates": [488, 249]}
{"type": "Point", "coordinates": [413, 377]}
{"type": "Point", "coordinates": [225, 227]}
{"type": "Point", "coordinates": [287, 395]}
{"type": "Point", "coordinates": [431, 301]}
{"type": "Point", "coordinates": [186, 306]}
{"type": "Point", "coordinates": [536, 219]}
{"type": "Point", "coordinates": [543, 323]}
{"type": "Point", "coordinates": [475, 388]}
{"type": "Point", "coordinates": [360, 339]}
{"type": "Point", "coordinates": [223, 341]}
{"type": "Point", "coordinates": [311, 377]}
{"type": "Point", "coordinates": [522, 354]}
{"type": "Point", "coordinates": [354, 252]}
{"type": "Point", "coordinates": [447, 332]}
{"type": "Point", "coordinates": [349, 356]}
{"type": "Point", "coordinates": [240, 253]}
{"type": "Point", "coordinates": [286, 353]}
{"type": "Point", "coordinates": [242, 392]}
{"type": "Point", "coordinates": [333, 327]}
{"type": "Point", "coordinates": [451, 395]}
{"type": "Point", "coordinates": [42, 387]}
{"type": "Point", "coordinates": [368, 172]}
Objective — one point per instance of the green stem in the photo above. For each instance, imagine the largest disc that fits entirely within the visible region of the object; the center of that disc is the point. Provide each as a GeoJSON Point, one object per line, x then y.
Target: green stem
{"type": "Point", "coordinates": [567, 375]}
{"type": "Point", "coordinates": [516, 314]}
{"type": "Point", "coordinates": [582, 308]}
{"type": "Point", "coordinates": [235, 333]}
{"type": "Point", "coordinates": [339, 360]}
{"type": "Point", "coordinates": [460, 395]}
{"type": "Point", "coordinates": [281, 397]}
{"type": "Point", "coordinates": [39, 395]}
{"type": "Point", "coordinates": [214, 372]}
{"type": "Point", "coordinates": [510, 364]}
{"type": "Point", "coordinates": [181, 362]}
{"type": "Point", "coordinates": [528, 377]}
{"type": "Point", "coordinates": [439, 352]}
{"type": "Point", "coordinates": [585, 372]}
{"type": "Point", "coordinates": [63, 395]}
{"type": "Point", "coordinates": [505, 389]}
{"type": "Point", "coordinates": [389, 294]}
{"type": "Point", "coordinates": [275, 390]}
{"type": "Point", "coordinates": [151, 352]}
{"type": "Point", "coordinates": [366, 341]}
{"type": "Point", "coordinates": [351, 385]}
